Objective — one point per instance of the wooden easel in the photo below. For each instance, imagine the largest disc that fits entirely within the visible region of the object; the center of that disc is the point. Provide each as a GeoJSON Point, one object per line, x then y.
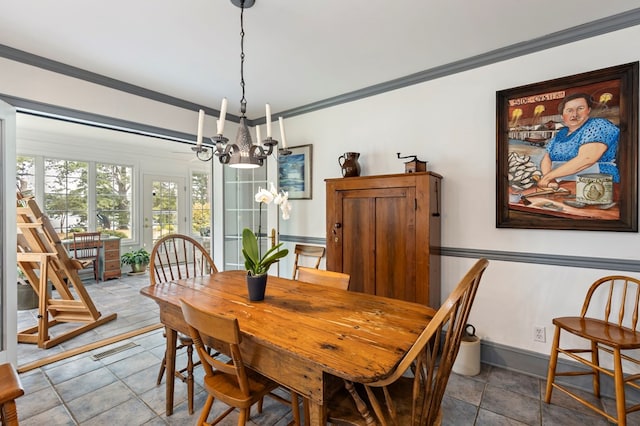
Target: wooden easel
{"type": "Point", "coordinates": [43, 259]}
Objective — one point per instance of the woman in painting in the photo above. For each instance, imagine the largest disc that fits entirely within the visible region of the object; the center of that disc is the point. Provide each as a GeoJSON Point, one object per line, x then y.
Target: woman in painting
{"type": "Point", "coordinates": [585, 145]}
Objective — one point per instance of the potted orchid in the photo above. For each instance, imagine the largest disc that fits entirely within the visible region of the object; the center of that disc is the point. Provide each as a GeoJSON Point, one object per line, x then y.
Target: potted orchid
{"type": "Point", "coordinates": [256, 263]}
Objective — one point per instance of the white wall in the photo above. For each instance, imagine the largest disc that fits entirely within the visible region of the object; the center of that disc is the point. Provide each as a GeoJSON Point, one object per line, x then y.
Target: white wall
{"type": "Point", "coordinates": [450, 122]}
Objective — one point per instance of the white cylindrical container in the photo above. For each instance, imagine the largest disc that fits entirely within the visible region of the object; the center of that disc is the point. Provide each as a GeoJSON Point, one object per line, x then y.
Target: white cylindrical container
{"type": "Point", "coordinates": [467, 362]}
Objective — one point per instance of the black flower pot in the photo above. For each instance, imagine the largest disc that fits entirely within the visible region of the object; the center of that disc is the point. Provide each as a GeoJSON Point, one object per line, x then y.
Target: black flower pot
{"type": "Point", "coordinates": [256, 286]}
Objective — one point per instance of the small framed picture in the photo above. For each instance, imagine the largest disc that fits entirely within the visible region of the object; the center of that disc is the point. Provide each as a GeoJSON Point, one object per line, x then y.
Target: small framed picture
{"type": "Point", "coordinates": [567, 152]}
{"type": "Point", "coordinates": [294, 172]}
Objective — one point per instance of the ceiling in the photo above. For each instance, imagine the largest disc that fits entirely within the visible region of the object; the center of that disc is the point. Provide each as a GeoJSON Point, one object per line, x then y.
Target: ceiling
{"type": "Point", "coordinates": [297, 52]}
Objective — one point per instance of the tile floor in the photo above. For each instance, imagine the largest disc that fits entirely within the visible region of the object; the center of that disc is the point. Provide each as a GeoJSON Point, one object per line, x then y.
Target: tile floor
{"type": "Point", "coordinates": [121, 388]}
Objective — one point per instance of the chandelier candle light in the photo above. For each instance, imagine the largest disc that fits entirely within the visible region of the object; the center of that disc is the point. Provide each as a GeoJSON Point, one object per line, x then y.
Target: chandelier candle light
{"type": "Point", "coordinates": [243, 153]}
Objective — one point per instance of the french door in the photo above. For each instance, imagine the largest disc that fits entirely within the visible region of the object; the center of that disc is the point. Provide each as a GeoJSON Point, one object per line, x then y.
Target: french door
{"type": "Point", "coordinates": [164, 208]}
{"type": "Point", "coordinates": [8, 270]}
{"type": "Point", "coordinates": [242, 211]}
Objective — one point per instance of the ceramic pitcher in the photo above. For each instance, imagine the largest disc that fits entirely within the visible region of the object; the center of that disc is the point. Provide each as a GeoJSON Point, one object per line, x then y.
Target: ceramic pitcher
{"type": "Point", "coordinates": [349, 163]}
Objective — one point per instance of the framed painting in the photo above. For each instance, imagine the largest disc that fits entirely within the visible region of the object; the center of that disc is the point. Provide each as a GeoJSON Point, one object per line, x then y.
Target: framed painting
{"type": "Point", "coordinates": [567, 152]}
{"type": "Point", "coordinates": [294, 172]}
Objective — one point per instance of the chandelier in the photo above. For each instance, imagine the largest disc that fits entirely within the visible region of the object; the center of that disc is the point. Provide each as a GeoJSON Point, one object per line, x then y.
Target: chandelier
{"type": "Point", "coordinates": [243, 154]}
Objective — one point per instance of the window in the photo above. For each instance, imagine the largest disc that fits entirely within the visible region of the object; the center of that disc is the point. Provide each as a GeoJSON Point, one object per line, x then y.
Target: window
{"type": "Point", "coordinates": [200, 205]}
{"type": "Point", "coordinates": [65, 195]}
{"type": "Point", "coordinates": [26, 175]}
{"type": "Point", "coordinates": [113, 199]}
{"type": "Point", "coordinates": [70, 188]}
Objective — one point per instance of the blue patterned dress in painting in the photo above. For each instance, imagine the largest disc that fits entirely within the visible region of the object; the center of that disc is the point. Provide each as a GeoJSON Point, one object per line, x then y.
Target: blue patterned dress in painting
{"type": "Point", "coordinates": [563, 147]}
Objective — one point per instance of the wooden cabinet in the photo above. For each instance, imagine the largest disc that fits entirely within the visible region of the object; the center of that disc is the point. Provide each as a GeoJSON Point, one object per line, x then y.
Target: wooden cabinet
{"type": "Point", "coordinates": [111, 250]}
{"type": "Point", "coordinates": [384, 231]}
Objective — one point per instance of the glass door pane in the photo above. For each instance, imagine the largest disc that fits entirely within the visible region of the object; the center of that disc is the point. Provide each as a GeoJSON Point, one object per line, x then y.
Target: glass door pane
{"type": "Point", "coordinates": [163, 208]}
{"type": "Point", "coordinates": [241, 211]}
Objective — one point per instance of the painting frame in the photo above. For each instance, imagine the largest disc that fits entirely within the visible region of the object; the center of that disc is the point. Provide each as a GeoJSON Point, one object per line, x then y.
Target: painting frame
{"type": "Point", "coordinates": [517, 110]}
{"type": "Point", "coordinates": [294, 172]}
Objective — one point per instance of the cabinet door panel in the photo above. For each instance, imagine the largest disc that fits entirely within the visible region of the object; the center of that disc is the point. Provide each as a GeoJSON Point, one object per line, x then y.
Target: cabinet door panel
{"type": "Point", "coordinates": [358, 241]}
{"type": "Point", "coordinates": [395, 245]}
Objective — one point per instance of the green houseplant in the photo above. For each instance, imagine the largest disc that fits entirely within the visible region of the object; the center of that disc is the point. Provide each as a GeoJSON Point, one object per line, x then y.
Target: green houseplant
{"type": "Point", "coordinates": [256, 263]}
{"type": "Point", "coordinates": [137, 259]}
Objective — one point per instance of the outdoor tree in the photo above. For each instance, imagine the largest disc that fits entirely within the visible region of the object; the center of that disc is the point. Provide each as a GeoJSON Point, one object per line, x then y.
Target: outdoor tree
{"type": "Point", "coordinates": [200, 207]}
{"type": "Point", "coordinates": [65, 198]}
{"type": "Point", "coordinates": [113, 196]}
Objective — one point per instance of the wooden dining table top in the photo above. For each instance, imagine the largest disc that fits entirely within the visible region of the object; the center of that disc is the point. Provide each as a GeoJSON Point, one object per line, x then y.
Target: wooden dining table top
{"type": "Point", "coordinates": [354, 336]}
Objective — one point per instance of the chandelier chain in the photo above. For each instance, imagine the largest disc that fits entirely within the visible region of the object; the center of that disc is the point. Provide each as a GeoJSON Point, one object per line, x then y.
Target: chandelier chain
{"type": "Point", "coordinates": [243, 100]}
{"type": "Point", "coordinates": [243, 153]}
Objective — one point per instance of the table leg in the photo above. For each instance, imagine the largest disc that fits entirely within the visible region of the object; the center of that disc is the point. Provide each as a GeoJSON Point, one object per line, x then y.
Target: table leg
{"type": "Point", "coordinates": [172, 336]}
{"type": "Point", "coordinates": [317, 414]}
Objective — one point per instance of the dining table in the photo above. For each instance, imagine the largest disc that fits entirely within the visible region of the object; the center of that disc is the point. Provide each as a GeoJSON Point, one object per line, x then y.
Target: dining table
{"type": "Point", "coordinates": [307, 337]}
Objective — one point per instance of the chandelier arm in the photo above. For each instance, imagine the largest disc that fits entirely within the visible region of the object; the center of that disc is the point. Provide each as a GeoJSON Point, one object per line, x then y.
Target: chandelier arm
{"type": "Point", "coordinates": [203, 153]}
{"type": "Point", "coordinates": [224, 154]}
{"type": "Point", "coordinates": [257, 152]}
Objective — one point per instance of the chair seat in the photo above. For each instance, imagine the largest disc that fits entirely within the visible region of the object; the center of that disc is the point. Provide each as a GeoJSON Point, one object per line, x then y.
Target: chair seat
{"type": "Point", "coordinates": [600, 331]}
{"type": "Point", "coordinates": [225, 387]}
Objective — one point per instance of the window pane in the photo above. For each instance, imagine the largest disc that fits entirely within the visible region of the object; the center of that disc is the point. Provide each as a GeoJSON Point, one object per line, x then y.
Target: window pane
{"type": "Point", "coordinates": [113, 199]}
{"type": "Point", "coordinates": [241, 211]}
{"type": "Point", "coordinates": [65, 195]}
{"type": "Point", "coordinates": [200, 205]}
{"type": "Point", "coordinates": [165, 208]}
{"type": "Point", "coordinates": [25, 175]}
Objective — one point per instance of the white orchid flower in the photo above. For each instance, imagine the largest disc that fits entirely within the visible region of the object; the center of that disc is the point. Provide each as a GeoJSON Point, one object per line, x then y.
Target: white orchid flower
{"type": "Point", "coordinates": [273, 189]}
{"type": "Point", "coordinates": [281, 197]}
{"type": "Point", "coordinates": [264, 196]}
{"type": "Point", "coordinates": [285, 207]}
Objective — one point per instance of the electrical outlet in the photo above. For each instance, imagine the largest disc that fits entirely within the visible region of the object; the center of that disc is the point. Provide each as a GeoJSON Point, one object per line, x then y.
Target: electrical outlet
{"type": "Point", "coordinates": [539, 334]}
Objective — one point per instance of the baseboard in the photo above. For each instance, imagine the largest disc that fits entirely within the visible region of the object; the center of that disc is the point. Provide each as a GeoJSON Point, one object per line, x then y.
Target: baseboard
{"type": "Point", "coordinates": [536, 365]}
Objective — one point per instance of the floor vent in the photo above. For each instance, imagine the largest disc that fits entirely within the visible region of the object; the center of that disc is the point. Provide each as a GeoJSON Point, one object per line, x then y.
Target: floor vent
{"type": "Point", "coordinates": [110, 352]}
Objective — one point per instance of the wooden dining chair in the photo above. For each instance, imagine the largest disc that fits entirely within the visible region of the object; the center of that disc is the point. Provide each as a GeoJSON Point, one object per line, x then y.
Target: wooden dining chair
{"type": "Point", "coordinates": [609, 323]}
{"type": "Point", "coordinates": [412, 394]}
{"type": "Point", "coordinates": [306, 252]}
{"type": "Point", "coordinates": [86, 249]}
{"type": "Point", "coordinates": [10, 389]}
{"type": "Point", "coordinates": [330, 279]}
{"type": "Point", "coordinates": [231, 382]}
{"type": "Point", "coordinates": [322, 277]}
{"type": "Point", "coordinates": [174, 257]}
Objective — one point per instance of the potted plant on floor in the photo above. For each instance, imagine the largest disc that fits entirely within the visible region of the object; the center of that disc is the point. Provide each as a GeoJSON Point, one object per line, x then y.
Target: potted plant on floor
{"type": "Point", "coordinates": [27, 296]}
{"type": "Point", "coordinates": [137, 259]}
